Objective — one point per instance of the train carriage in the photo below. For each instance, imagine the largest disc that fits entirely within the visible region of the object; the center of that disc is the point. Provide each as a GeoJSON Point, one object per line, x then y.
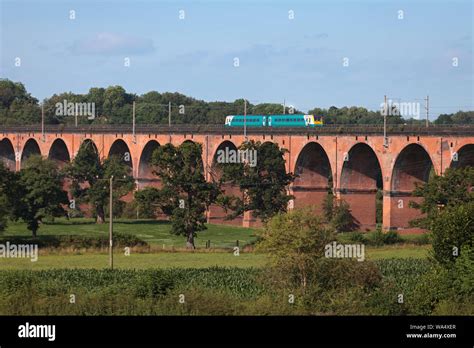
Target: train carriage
{"type": "Point", "coordinates": [274, 121]}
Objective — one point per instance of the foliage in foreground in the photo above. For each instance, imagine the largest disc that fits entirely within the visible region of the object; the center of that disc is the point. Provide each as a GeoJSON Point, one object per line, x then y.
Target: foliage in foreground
{"type": "Point", "coordinates": [295, 241]}
{"type": "Point", "coordinates": [341, 287]}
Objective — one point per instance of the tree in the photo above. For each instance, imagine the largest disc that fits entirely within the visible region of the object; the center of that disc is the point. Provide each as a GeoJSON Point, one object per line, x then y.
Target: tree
{"type": "Point", "coordinates": [117, 105]}
{"type": "Point", "coordinates": [342, 220]}
{"type": "Point", "coordinates": [89, 179]}
{"type": "Point", "coordinates": [264, 183]}
{"type": "Point", "coordinates": [451, 189]}
{"type": "Point", "coordinates": [185, 194]}
{"type": "Point", "coordinates": [146, 201]}
{"type": "Point", "coordinates": [17, 106]}
{"type": "Point", "coordinates": [8, 194]}
{"type": "Point", "coordinates": [448, 205]}
{"type": "Point", "coordinates": [272, 108]}
{"type": "Point", "coordinates": [14, 91]}
{"type": "Point", "coordinates": [294, 242]}
{"type": "Point", "coordinates": [338, 214]}
{"type": "Point", "coordinates": [40, 192]}
{"type": "Point", "coordinates": [451, 230]}
{"type": "Point", "coordinates": [96, 96]}
{"type": "Point", "coordinates": [328, 207]}
{"type": "Point", "coordinates": [113, 105]}
{"type": "Point", "coordinates": [50, 108]}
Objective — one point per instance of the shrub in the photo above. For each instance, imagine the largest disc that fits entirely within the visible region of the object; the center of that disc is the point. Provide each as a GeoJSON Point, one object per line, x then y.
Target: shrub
{"type": "Point", "coordinates": [328, 207]}
{"type": "Point", "coordinates": [392, 237]}
{"type": "Point", "coordinates": [379, 238]}
{"type": "Point", "coordinates": [357, 237]}
{"type": "Point", "coordinates": [294, 241]}
{"type": "Point", "coordinates": [342, 219]}
{"type": "Point", "coordinates": [452, 229]}
{"type": "Point", "coordinates": [344, 273]}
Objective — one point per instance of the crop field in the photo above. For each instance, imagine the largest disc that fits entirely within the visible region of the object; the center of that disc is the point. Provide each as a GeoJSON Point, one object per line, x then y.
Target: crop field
{"type": "Point", "coordinates": [153, 271]}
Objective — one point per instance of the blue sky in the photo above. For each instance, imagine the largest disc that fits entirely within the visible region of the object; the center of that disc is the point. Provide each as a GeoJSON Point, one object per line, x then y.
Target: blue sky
{"type": "Point", "coordinates": [299, 60]}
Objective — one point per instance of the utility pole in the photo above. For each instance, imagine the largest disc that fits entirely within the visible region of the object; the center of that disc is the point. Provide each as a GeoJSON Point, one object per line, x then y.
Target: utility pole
{"type": "Point", "coordinates": [245, 119]}
{"type": "Point", "coordinates": [111, 243]}
{"type": "Point", "coordinates": [137, 188]}
{"type": "Point", "coordinates": [169, 114]}
{"type": "Point", "coordinates": [75, 119]}
{"type": "Point", "coordinates": [284, 106]}
{"type": "Point", "coordinates": [427, 107]}
{"type": "Point", "coordinates": [385, 111]}
{"type": "Point", "coordinates": [42, 121]}
{"type": "Point", "coordinates": [133, 126]}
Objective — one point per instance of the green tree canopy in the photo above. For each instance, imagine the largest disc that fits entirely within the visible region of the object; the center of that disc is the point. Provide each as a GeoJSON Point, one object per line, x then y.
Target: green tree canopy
{"type": "Point", "coordinates": [113, 105]}
{"type": "Point", "coordinates": [89, 179]}
{"type": "Point", "coordinates": [40, 192]}
{"type": "Point", "coordinates": [451, 189]}
{"type": "Point", "coordinates": [452, 230]}
{"type": "Point", "coordinates": [448, 205]}
{"type": "Point", "coordinates": [185, 195]}
{"type": "Point", "coordinates": [8, 194]}
{"type": "Point", "coordinates": [264, 183]}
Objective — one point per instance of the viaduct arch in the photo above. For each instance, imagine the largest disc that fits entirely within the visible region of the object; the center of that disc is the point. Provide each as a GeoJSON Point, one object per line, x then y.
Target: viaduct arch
{"type": "Point", "coordinates": [313, 177]}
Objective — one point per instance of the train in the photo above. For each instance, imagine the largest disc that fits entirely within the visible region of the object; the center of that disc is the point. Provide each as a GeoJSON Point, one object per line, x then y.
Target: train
{"type": "Point", "coordinates": [288, 120]}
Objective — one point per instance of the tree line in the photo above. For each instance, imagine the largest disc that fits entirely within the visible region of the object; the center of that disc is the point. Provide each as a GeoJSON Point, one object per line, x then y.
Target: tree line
{"type": "Point", "coordinates": [113, 105]}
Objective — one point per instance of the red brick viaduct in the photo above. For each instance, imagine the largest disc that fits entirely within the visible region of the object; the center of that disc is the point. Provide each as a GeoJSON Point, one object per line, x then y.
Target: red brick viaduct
{"type": "Point", "coordinates": [357, 159]}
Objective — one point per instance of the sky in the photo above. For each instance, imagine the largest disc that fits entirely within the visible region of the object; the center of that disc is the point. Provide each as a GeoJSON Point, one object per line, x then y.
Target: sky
{"type": "Point", "coordinates": [304, 53]}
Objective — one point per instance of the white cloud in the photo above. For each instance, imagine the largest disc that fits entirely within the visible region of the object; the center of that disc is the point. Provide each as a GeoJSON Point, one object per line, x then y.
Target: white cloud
{"type": "Point", "coordinates": [112, 44]}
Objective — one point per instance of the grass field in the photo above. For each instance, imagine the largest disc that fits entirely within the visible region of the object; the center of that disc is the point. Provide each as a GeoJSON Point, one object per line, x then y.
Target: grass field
{"type": "Point", "coordinates": [181, 259]}
{"type": "Point", "coordinates": [157, 234]}
{"type": "Point", "coordinates": [152, 231]}
{"type": "Point", "coordinates": [138, 261]}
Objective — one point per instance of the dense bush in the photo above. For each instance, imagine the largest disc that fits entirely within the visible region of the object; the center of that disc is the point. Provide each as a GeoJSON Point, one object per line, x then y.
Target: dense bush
{"type": "Point", "coordinates": [357, 237]}
{"type": "Point", "coordinates": [295, 241]}
{"type": "Point", "coordinates": [447, 290]}
{"type": "Point", "coordinates": [379, 238]}
{"type": "Point", "coordinates": [451, 230]}
{"type": "Point", "coordinates": [345, 273]}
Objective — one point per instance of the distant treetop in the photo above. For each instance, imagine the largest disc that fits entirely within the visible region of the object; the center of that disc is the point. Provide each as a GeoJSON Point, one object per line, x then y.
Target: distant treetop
{"type": "Point", "coordinates": [113, 105]}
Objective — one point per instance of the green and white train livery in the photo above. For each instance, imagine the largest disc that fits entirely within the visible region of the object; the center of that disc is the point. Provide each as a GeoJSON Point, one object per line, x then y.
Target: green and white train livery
{"type": "Point", "coordinates": [288, 120]}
